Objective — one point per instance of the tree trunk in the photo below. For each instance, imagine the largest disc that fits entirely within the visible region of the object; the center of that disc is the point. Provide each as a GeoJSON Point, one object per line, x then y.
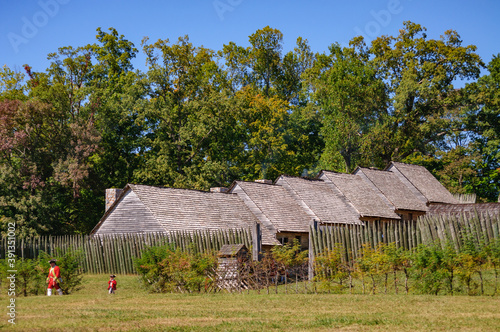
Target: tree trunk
{"type": "Point", "coordinates": [406, 280]}
{"type": "Point", "coordinates": [395, 282]}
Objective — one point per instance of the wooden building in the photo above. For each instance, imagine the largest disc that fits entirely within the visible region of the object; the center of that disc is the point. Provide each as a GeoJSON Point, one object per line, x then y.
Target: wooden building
{"type": "Point", "coordinates": [285, 209]}
{"type": "Point", "coordinates": [320, 200]}
{"type": "Point", "coordinates": [367, 202]}
{"type": "Point", "coordinates": [277, 211]}
{"type": "Point", "coordinates": [393, 192]}
{"type": "Point", "coordinates": [146, 209]}
{"type": "Point", "coordinates": [492, 209]}
{"type": "Point", "coordinates": [230, 259]}
{"type": "Point", "coordinates": [422, 183]}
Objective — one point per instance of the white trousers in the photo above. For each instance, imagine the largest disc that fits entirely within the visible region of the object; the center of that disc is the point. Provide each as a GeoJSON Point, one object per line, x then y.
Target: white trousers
{"type": "Point", "coordinates": [49, 291]}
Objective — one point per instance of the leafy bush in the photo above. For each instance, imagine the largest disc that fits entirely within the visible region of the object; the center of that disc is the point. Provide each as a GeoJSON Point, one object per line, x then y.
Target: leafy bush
{"type": "Point", "coordinates": [71, 270]}
{"type": "Point", "coordinates": [435, 268]}
{"type": "Point", "coordinates": [164, 269]}
{"type": "Point", "coordinates": [332, 271]}
{"type": "Point", "coordinates": [493, 255]}
{"type": "Point", "coordinates": [32, 273]}
{"type": "Point", "coordinates": [69, 265]}
{"type": "Point", "coordinates": [289, 258]}
{"type": "Point", "coordinates": [28, 278]}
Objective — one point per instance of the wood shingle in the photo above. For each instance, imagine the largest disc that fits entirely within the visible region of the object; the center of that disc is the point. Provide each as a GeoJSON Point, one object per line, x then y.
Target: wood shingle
{"type": "Point", "coordinates": [324, 202]}
{"type": "Point", "coordinates": [422, 183]}
{"type": "Point", "coordinates": [390, 187]}
{"type": "Point", "coordinates": [362, 196]}
{"type": "Point", "coordinates": [273, 206]}
{"type": "Point", "coordinates": [491, 209]}
{"type": "Point", "coordinates": [141, 209]}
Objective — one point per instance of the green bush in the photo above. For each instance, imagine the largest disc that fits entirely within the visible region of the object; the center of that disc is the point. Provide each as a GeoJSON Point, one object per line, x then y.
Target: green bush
{"type": "Point", "coordinates": [69, 265]}
{"type": "Point", "coordinates": [32, 274]}
{"type": "Point", "coordinates": [331, 270]}
{"type": "Point", "coordinates": [164, 269]}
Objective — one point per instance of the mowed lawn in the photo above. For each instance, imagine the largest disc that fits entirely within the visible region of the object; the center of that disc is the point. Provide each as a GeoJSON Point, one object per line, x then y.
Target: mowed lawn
{"type": "Point", "coordinates": [133, 309]}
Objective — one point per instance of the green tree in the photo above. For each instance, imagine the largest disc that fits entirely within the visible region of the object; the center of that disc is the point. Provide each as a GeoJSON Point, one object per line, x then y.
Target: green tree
{"type": "Point", "coordinates": [265, 57]}
{"type": "Point", "coordinates": [12, 85]}
{"type": "Point", "coordinates": [115, 93]}
{"type": "Point", "coordinates": [42, 162]}
{"type": "Point", "coordinates": [484, 122]}
{"type": "Point", "coordinates": [264, 80]}
{"type": "Point", "coordinates": [419, 74]}
{"type": "Point", "coordinates": [351, 100]}
{"type": "Point", "coordinates": [191, 130]}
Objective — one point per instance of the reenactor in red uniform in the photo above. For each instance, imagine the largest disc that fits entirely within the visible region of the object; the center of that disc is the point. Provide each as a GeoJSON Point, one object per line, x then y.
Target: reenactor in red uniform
{"type": "Point", "coordinates": [54, 278]}
{"type": "Point", "coordinates": [112, 284]}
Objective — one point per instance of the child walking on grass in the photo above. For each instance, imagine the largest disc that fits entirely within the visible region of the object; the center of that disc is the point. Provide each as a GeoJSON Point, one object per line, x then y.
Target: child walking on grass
{"type": "Point", "coordinates": [112, 284]}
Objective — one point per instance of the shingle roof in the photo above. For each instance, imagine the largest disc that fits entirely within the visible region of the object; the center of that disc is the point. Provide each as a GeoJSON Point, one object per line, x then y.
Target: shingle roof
{"type": "Point", "coordinates": [423, 181]}
{"type": "Point", "coordinates": [366, 201]}
{"type": "Point", "coordinates": [231, 249]}
{"type": "Point", "coordinates": [327, 203]}
{"type": "Point", "coordinates": [470, 208]}
{"type": "Point", "coordinates": [189, 210]}
{"type": "Point", "coordinates": [389, 185]}
{"type": "Point", "coordinates": [273, 206]}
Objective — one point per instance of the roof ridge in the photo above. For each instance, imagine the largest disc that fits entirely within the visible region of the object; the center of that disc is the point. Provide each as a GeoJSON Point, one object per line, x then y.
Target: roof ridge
{"type": "Point", "coordinates": [302, 178]}
{"type": "Point", "coordinates": [173, 188]}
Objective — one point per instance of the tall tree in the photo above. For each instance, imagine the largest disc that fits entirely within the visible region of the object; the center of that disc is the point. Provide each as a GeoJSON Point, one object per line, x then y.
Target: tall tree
{"type": "Point", "coordinates": [419, 74]}
{"type": "Point", "coordinates": [114, 93]}
{"type": "Point", "coordinates": [191, 133]}
{"type": "Point", "coordinates": [483, 120]}
{"type": "Point", "coordinates": [268, 82]}
{"type": "Point", "coordinates": [351, 100]}
{"type": "Point", "coordinates": [265, 56]}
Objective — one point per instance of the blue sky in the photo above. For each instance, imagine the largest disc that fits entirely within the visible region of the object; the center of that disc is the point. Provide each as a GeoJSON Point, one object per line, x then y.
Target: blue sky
{"type": "Point", "coordinates": [31, 29]}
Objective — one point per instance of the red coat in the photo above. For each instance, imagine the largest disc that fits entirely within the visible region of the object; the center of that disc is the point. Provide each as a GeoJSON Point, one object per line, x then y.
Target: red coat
{"type": "Point", "coordinates": [54, 273]}
{"type": "Point", "coordinates": [112, 284]}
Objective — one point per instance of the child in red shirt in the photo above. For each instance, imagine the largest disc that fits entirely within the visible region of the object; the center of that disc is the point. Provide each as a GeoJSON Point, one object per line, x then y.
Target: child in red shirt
{"type": "Point", "coordinates": [112, 284]}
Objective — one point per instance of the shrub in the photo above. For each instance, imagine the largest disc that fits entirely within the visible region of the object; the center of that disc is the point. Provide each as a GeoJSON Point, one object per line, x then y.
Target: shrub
{"type": "Point", "coordinates": [69, 264]}
{"type": "Point", "coordinates": [434, 268]}
{"type": "Point", "coordinates": [289, 258]}
{"type": "Point", "coordinates": [164, 269]}
{"type": "Point", "coordinates": [331, 270]}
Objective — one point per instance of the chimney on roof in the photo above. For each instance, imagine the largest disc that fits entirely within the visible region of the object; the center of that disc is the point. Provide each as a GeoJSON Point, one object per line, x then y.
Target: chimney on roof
{"type": "Point", "coordinates": [111, 196]}
{"type": "Point", "coordinates": [264, 181]}
{"type": "Point", "coordinates": [219, 190]}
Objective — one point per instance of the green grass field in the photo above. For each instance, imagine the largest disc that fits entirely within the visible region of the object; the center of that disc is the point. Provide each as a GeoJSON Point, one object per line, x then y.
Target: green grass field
{"type": "Point", "coordinates": [133, 309]}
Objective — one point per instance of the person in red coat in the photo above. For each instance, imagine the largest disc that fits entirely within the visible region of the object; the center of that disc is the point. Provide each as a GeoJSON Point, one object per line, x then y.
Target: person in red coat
{"type": "Point", "coordinates": [112, 284]}
{"type": "Point", "coordinates": [54, 278]}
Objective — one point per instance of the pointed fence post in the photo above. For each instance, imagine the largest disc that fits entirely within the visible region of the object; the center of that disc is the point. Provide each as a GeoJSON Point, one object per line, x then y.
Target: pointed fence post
{"type": "Point", "coordinates": [313, 227]}
{"type": "Point", "coordinates": [256, 242]}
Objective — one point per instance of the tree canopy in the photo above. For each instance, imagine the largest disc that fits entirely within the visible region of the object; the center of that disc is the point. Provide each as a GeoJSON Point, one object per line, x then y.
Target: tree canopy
{"type": "Point", "coordinates": [198, 118]}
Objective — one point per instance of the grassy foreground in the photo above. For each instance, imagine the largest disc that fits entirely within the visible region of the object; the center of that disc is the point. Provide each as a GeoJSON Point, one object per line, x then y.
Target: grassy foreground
{"type": "Point", "coordinates": [132, 309]}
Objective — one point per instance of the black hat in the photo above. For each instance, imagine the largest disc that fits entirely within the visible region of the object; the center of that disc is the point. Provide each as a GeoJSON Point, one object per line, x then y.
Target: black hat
{"type": "Point", "coordinates": [112, 276]}
{"type": "Point", "coordinates": [52, 261]}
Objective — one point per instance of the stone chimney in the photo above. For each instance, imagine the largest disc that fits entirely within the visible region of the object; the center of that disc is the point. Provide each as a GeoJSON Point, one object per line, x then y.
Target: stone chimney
{"type": "Point", "coordinates": [264, 181]}
{"type": "Point", "coordinates": [111, 196]}
{"type": "Point", "coordinates": [219, 190]}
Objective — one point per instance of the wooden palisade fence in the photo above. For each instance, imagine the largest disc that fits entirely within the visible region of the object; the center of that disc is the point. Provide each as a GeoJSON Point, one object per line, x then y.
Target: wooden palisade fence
{"type": "Point", "coordinates": [115, 253]}
{"type": "Point", "coordinates": [405, 234]}
{"type": "Point", "coordinates": [455, 229]}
